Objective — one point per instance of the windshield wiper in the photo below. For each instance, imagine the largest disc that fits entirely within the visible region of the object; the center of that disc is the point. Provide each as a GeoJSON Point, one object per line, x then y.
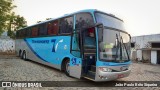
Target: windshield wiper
{"type": "Point", "coordinates": [125, 47]}
{"type": "Point", "coordinates": [117, 47]}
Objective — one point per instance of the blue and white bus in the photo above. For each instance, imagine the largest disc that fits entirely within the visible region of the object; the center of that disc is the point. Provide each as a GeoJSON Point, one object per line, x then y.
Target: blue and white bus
{"type": "Point", "coordinates": [86, 44]}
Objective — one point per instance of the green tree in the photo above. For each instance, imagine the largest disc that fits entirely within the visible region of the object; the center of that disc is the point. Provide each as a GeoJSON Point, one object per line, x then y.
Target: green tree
{"type": "Point", "coordinates": [39, 21]}
{"type": "Point", "coordinates": [48, 18]}
{"type": "Point", "coordinates": [15, 22]}
{"type": "Point", "coordinates": [8, 19]}
{"type": "Point", "coordinates": [5, 9]}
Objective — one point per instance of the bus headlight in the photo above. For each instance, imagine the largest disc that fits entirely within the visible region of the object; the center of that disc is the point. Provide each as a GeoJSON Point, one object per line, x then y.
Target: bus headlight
{"type": "Point", "coordinates": [105, 69]}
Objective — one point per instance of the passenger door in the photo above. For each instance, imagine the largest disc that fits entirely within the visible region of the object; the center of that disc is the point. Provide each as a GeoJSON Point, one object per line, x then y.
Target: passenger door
{"type": "Point", "coordinates": [76, 62]}
{"type": "Point", "coordinates": [82, 20]}
{"type": "Point", "coordinates": [89, 53]}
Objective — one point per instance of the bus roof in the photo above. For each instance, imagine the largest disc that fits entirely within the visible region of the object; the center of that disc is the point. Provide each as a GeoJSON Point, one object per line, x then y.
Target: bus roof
{"type": "Point", "coordinates": [65, 15]}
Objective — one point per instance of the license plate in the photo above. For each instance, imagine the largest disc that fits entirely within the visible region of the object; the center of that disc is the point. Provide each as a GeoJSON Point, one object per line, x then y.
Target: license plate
{"type": "Point", "coordinates": [120, 75]}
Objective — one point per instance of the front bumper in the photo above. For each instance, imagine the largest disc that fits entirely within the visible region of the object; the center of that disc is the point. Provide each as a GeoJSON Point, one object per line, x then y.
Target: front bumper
{"type": "Point", "coordinates": [108, 76]}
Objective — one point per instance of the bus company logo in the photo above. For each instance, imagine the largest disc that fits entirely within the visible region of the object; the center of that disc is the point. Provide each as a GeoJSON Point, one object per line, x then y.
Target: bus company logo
{"type": "Point", "coordinates": [74, 61]}
{"type": "Point", "coordinates": [40, 41]}
{"type": "Point", "coordinates": [6, 84]}
{"type": "Point", "coordinates": [55, 45]}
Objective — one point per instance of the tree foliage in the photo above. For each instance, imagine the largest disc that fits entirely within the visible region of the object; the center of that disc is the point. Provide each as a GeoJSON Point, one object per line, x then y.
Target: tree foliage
{"type": "Point", "coordinates": [8, 19]}
{"type": "Point", "coordinates": [5, 8]}
{"type": "Point", "coordinates": [16, 22]}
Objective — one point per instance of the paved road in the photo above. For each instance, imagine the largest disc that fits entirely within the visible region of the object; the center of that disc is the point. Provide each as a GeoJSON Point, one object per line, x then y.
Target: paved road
{"type": "Point", "coordinates": [15, 69]}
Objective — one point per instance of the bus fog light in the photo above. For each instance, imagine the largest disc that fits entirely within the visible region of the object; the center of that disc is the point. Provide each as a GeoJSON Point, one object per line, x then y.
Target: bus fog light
{"type": "Point", "coordinates": [103, 77]}
{"type": "Point", "coordinates": [105, 69]}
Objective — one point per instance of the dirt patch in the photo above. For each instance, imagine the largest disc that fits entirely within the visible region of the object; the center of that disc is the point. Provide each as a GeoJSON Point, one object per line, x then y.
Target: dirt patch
{"type": "Point", "coordinates": [9, 56]}
{"type": "Point", "coordinates": [5, 65]}
{"type": "Point", "coordinates": [153, 72]}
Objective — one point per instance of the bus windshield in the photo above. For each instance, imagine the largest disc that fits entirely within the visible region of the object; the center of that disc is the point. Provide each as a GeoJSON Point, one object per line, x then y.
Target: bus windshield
{"type": "Point", "coordinates": [114, 42]}
{"type": "Point", "coordinates": [109, 21]}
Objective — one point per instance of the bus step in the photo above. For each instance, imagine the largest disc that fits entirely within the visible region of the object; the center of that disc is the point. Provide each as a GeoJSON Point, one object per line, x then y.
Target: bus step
{"type": "Point", "coordinates": [89, 53]}
{"type": "Point", "coordinates": [93, 68]}
{"type": "Point", "coordinates": [89, 46]}
{"type": "Point", "coordinates": [89, 78]}
{"type": "Point", "coordinates": [90, 50]}
{"type": "Point", "coordinates": [90, 74]}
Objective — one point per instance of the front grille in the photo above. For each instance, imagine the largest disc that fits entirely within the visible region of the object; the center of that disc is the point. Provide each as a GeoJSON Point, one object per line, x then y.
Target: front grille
{"type": "Point", "coordinates": [119, 70]}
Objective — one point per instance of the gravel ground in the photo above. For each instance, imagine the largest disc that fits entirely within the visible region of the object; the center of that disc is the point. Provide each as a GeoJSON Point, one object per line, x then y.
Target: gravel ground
{"type": "Point", "coordinates": [19, 70]}
{"type": "Point", "coordinates": [14, 69]}
{"type": "Point", "coordinates": [143, 72]}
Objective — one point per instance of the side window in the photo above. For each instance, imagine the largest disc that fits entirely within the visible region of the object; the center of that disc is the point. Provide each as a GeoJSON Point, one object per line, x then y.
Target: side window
{"type": "Point", "coordinates": [66, 25]}
{"type": "Point", "coordinates": [17, 34]}
{"type": "Point", "coordinates": [20, 34]}
{"type": "Point", "coordinates": [34, 31]}
{"type": "Point", "coordinates": [24, 32]}
{"type": "Point", "coordinates": [53, 27]}
{"type": "Point", "coordinates": [84, 20]}
{"type": "Point", "coordinates": [28, 32]}
{"type": "Point", "coordinates": [42, 29]}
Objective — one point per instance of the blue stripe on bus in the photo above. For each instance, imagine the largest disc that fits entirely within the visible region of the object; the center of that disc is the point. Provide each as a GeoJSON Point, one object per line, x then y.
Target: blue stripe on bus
{"type": "Point", "coordinates": [34, 51]}
{"type": "Point", "coordinates": [100, 63]}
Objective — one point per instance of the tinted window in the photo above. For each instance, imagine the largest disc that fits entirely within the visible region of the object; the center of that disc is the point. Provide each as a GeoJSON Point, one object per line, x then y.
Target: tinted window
{"type": "Point", "coordinates": [34, 31]}
{"type": "Point", "coordinates": [28, 32]}
{"type": "Point", "coordinates": [53, 27]}
{"type": "Point", "coordinates": [22, 33]}
{"type": "Point", "coordinates": [66, 25]}
{"type": "Point", "coordinates": [84, 20]}
{"type": "Point", "coordinates": [42, 29]}
{"type": "Point", "coordinates": [109, 21]}
{"type": "Point", "coordinates": [17, 34]}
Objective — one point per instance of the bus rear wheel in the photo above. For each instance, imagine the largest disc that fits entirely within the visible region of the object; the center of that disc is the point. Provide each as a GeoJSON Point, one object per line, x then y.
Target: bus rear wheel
{"type": "Point", "coordinates": [20, 53]}
{"type": "Point", "coordinates": [67, 67]}
{"type": "Point", "coordinates": [24, 55]}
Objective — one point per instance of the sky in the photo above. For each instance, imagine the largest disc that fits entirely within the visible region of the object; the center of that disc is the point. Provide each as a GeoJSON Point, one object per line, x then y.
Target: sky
{"type": "Point", "coordinates": [141, 17]}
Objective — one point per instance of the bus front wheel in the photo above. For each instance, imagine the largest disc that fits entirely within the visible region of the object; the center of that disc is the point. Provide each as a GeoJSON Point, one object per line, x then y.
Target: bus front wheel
{"type": "Point", "coordinates": [67, 67]}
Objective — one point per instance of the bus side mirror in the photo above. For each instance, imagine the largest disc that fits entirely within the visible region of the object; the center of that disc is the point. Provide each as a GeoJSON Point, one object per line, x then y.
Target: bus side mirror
{"type": "Point", "coordinates": [99, 25]}
{"type": "Point", "coordinates": [130, 36]}
{"type": "Point", "coordinates": [100, 31]}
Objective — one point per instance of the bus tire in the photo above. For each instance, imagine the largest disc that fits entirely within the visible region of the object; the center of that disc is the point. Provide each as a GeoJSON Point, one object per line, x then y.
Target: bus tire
{"type": "Point", "coordinates": [20, 53]}
{"type": "Point", "coordinates": [24, 55]}
{"type": "Point", "coordinates": [66, 67]}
